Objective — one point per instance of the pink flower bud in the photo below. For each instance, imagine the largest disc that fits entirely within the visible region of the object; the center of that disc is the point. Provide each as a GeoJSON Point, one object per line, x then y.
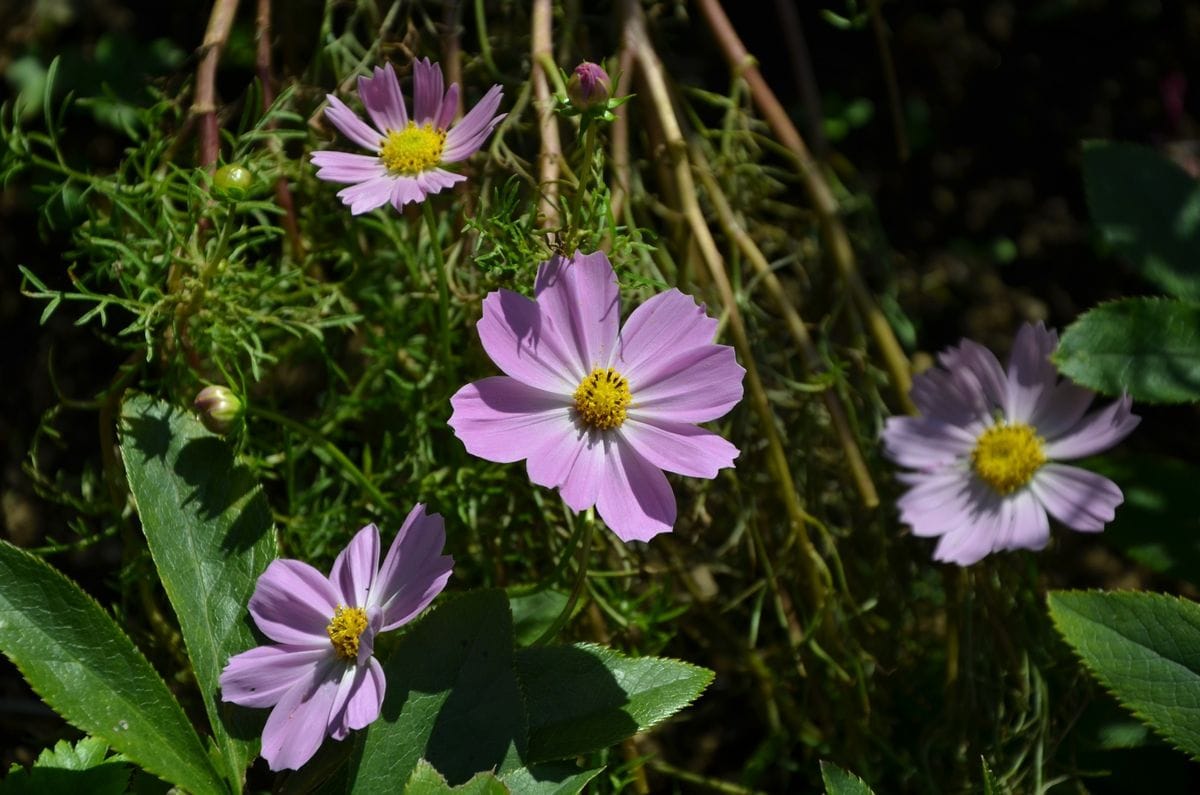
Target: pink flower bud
{"type": "Point", "coordinates": [219, 409]}
{"type": "Point", "coordinates": [589, 86]}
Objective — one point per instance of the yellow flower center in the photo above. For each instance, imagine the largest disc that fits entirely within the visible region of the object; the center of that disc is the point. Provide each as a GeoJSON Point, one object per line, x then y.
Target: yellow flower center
{"type": "Point", "coordinates": [602, 398]}
{"type": "Point", "coordinates": [344, 630]}
{"type": "Point", "coordinates": [1006, 456]}
{"type": "Point", "coordinates": [413, 149]}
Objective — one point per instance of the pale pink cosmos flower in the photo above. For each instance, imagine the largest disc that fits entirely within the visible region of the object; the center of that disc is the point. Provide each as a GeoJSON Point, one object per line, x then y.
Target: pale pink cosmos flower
{"type": "Point", "coordinates": [984, 450]}
{"type": "Point", "coordinates": [319, 675]}
{"type": "Point", "coordinates": [408, 153]}
{"type": "Point", "coordinates": [596, 412]}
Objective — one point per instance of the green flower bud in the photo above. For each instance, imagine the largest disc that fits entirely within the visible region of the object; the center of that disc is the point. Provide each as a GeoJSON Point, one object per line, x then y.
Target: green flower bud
{"type": "Point", "coordinates": [233, 181]}
{"type": "Point", "coordinates": [219, 409]}
{"type": "Point", "coordinates": [589, 86]}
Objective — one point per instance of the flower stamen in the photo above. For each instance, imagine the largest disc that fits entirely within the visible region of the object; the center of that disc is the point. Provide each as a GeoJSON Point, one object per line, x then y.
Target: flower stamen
{"type": "Point", "coordinates": [412, 150]}
{"type": "Point", "coordinates": [1007, 456]}
{"type": "Point", "coordinates": [344, 630]}
{"type": "Point", "coordinates": [602, 398]}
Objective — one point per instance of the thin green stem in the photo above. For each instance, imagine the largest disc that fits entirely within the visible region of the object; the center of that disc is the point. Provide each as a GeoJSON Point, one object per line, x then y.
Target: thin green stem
{"type": "Point", "coordinates": [439, 263]}
{"type": "Point", "coordinates": [584, 552]}
{"type": "Point", "coordinates": [485, 47]}
{"type": "Point", "coordinates": [317, 437]}
{"type": "Point", "coordinates": [585, 176]}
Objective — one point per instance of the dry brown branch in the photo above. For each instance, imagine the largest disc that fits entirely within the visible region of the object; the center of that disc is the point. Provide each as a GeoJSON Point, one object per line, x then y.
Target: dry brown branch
{"type": "Point", "coordinates": [550, 157]}
{"type": "Point", "coordinates": [262, 63]}
{"type": "Point", "coordinates": [888, 63]}
{"type": "Point", "coordinates": [806, 81]}
{"type": "Point", "coordinates": [820, 194]}
{"type": "Point", "coordinates": [204, 104]}
{"type": "Point", "coordinates": [814, 574]}
{"type": "Point", "coordinates": [452, 46]}
{"type": "Point", "coordinates": [620, 130]}
{"type": "Point", "coordinates": [795, 325]}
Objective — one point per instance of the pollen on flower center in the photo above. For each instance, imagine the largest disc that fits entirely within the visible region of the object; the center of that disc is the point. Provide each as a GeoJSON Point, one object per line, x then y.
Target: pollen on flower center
{"type": "Point", "coordinates": [602, 398]}
{"type": "Point", "coordinates": [344, 630]}
{"type": "Point", "coordinates": [1006, 456]}
{"type": "Point", "coordinates": [413, 149]}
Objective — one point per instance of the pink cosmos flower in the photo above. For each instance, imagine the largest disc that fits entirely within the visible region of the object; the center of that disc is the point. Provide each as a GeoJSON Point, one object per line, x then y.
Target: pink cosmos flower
{"type": "Point", "coordinates": [985, 447]}
{"type": "Point", "coordinates": [408, 154]}
{"type": "Point", "coordinates": [597, 413]}
{"type": "Point", "coordinates": [319, 674]}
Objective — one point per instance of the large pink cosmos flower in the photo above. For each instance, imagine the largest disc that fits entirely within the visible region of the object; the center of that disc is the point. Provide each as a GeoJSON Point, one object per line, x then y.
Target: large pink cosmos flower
{"type": "Point", "coordinates": [319, 674]}
{"type": "Point", "coordinates": [408, 153]}
{"type": "Point", "coordinates": [599, 413]}
{"type": "Point", "coordinates": [984, 449]}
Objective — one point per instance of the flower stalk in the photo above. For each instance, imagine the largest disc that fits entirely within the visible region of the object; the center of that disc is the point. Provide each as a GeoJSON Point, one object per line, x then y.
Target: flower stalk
{"type": "Point", "coordinates": [582, 538]}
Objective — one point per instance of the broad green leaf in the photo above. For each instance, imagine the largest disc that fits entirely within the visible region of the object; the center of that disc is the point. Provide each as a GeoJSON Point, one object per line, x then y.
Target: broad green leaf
{"type": "Point", "coordinates": [584, 698]}
{"type": "Point", "coordinates": [1145, 648]}
{"type": "Point", "coordinates": [79, 661]}
{"type": "Point", "coordinates": [425, 780]}
{"type": "Point", "coordinates": [208, 527]}
{"type": "Point", "coordinates": [549, 778]}
{"type": "Point", "coordinates": [533, 613]}
{"type": "Point", "coordinates": [1148, 209]}
{"type": "Point", "coordinates": [841, 782]}
{"type": "Point", "coordinates": [1158, 524]}
{"type": "Point", "coordinates": [1148, 347]}
{"type": "Point", "coordinates": [452, 698]}
{"type": "Point", "coordinates": [69, 769]}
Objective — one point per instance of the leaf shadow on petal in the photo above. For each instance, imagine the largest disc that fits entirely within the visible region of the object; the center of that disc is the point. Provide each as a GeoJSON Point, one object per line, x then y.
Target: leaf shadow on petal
{"type": "Point", "coordinates": [525, 324]}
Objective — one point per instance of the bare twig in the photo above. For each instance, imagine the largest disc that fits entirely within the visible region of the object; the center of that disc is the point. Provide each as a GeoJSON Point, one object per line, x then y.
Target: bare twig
{"type": "Point", "coordinates": [820, 194]}
{"type": "Point", "coordinates": [452, 47]}
{"type": "Point", "coordinates": [262, 63]}
{"type": "Point", "coordinates": [814, 573]}
{"type": "Point", "coordinates": [795, 325]}
{"type": "Point", "coordinates": [620, 130]}
{"type": "Point", "coordinates": [806, 81]}
{"type": "Point", "coordinates": [204, 103]}
{"type": "Point", "coordinates": [879, 27]}
{"type": "Point", "coordinates": [550, 157]}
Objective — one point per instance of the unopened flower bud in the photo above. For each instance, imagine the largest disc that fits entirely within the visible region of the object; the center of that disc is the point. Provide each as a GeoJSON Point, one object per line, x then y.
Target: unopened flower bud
{"type": "Point", "coordinates": [219, 408]}
{"type": "Point", "coordinates": [233, 181]}
{"type": "Point", "coordinates": [589, 86]}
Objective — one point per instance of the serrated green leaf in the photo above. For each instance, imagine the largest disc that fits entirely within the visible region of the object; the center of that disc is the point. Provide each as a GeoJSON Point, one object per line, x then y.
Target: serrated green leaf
{"type": "Point", "coordinates": [1158, 495]}
{"type": "Point", "coordinates": [533, 613]}
{"type": "Point", "coordinates": [842, 782]}
{"type": "Point", "coordinates": [584, 698]}
{"type": "Point", "coordinates": [425, 780]}
{"type": "Point", "coordinates": [1148, 347]}
{"type": "Point", "coordinates": [208, 527]}
{"type": "Point", "coordinates": [1145, 648]}
{"type": "Point", "coordinates": [550, 778]}
{"type": "Point", "coordinates": [452, 698]}
{"type": "Point", "coordinates": [79, 661]}
{"type": "Point", "coordinates": [68, 769]}
{"type": "Point", "coordinates": [1148, 209]}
